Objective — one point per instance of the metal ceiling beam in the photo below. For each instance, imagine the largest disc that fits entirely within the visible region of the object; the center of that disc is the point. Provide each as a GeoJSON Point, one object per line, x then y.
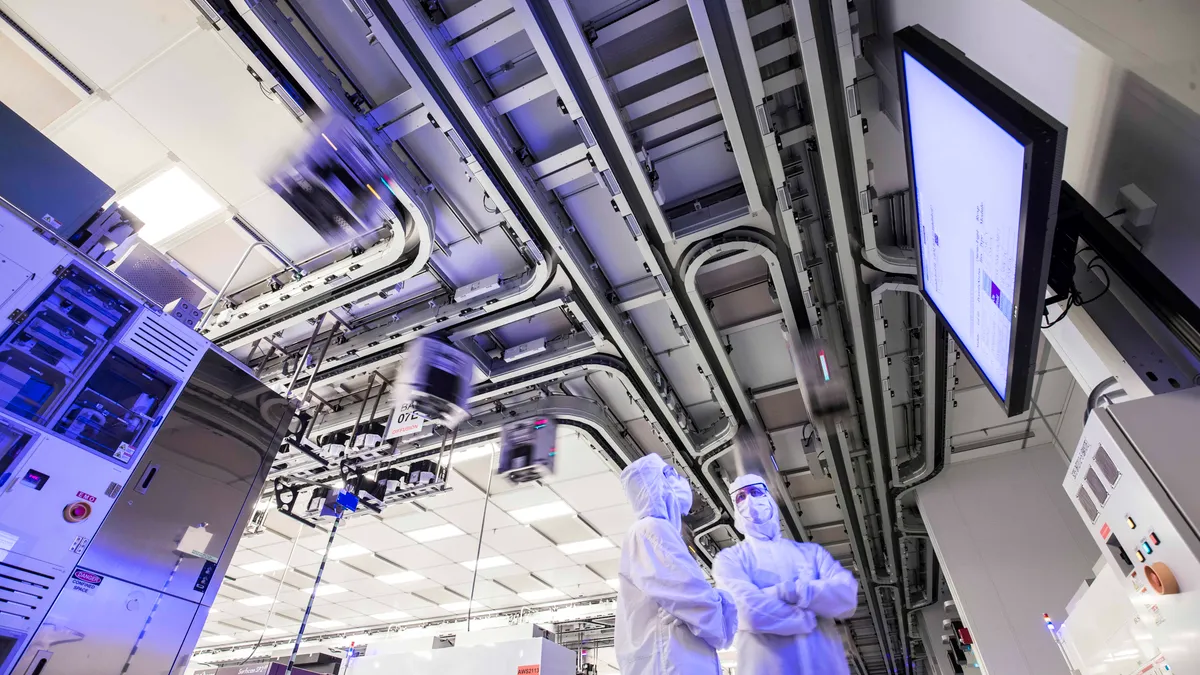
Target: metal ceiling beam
{"type": "Point", "coordinates": [819, 50]}
{"type": "Point", "coordinates": [449, 95]}
{"type": "Point", "coordinates": [569, 61]}
{"type": "Point", "coordinates": [702, 18]}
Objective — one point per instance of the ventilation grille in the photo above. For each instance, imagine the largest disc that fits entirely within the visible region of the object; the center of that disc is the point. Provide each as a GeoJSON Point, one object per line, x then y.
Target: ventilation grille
{"type": "Point", "coordinates": [155, 338]}
{"type": "Point", "coordinates": [153, 274]}
{"type": "Point", "coordinates": [1089, 507]}
{"type": "Point", "coordinates": [24, 592]}
{"type": "Point", "coordinates": [1098, 489]}
{"type": "Point", "coordinates": [1106, 466]}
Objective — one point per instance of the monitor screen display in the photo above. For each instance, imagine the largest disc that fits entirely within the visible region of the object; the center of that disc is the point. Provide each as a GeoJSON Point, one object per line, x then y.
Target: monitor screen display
{"type": "Point", "coordinates": [969, 178]}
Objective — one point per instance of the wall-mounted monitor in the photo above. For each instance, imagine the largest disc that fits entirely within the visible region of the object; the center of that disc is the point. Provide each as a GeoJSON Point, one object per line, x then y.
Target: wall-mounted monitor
{"type": "Point", "coordinates": [985, 165]}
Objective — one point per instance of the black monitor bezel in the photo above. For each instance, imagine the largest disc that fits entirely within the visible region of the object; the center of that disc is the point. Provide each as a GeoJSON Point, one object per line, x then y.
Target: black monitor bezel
{"type": "Point", "coordinates": [1044, 139]}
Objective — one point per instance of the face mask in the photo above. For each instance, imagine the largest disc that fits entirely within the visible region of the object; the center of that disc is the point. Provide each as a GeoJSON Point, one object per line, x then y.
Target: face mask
{"type": "Point", "coordinates": [681, 492]}
{"type": "Point", "coordinates": [756, 510]}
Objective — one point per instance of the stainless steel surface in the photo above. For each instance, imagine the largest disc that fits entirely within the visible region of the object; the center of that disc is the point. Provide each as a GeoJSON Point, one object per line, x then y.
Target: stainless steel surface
{"type": "Point", "coordinates": [92, 628]}
{"type": "Point", "coordinates": [212, 453]}
{"type": "Point", "coordinates": [152, 273]}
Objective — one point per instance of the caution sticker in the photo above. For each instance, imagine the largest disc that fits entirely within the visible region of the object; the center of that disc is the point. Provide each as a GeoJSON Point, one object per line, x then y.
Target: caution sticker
{"type": "Point", "coordinates": [85, 581]}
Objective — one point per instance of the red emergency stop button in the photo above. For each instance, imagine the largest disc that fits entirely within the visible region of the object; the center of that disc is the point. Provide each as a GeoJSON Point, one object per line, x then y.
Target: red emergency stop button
{"type": "Point", "coordinates": [77, 512]}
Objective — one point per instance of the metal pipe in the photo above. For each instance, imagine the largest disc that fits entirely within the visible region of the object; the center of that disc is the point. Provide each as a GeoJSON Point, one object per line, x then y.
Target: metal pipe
{"type": "Point", "coordinates": [304, 357]}
{"type": "Point", "coordinates": [313, 596]}
{"type": "Point", "coordinates": [273, 249]}
{"type": "Point", "coordinates": [225, 287]}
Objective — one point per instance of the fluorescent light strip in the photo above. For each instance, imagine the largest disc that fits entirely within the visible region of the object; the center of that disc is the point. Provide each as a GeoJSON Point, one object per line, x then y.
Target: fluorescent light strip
{"type": "Point", "coordinates": [542, 512]}
{"type": "Point", "coordinates": [264, 567]}
{"type": "Point", "coordinates": [399, 577]}
{"type": "Point", "coordinates": [434, 533]}
{"type": "Point", "coordinates": [329, 589]}
{"type": "Point", "coordinates": [615, 584]}
{"type": "Point", "coordinates": [170, 202]}
{"type": "Point", "coordinates": [328, 623]}
{"type": "Point", "coordinates": [486, 563]}
{"type": "Point", "coordinates": [347, 551]}
{"type": "Point", "coordinates": [585, 546]}
{"type": "Point", "coordinates": [257, 600]}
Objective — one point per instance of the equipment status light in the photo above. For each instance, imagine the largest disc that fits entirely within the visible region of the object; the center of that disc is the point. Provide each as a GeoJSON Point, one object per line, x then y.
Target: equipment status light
{"type": "Point", "coordinates": [1140, 557]}
{"type": "Point", "coordinates": [1146, 548]}
{"type": "Point", "coordinates": [1129, 519]}
{"type": "Point", "coordinates": [1154, 539]}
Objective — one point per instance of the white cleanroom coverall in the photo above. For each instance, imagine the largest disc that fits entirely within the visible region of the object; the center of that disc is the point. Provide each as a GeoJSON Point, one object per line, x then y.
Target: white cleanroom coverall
{"type": "Point", "coordinates": [787, 593]}
{"type": "Point", "coordinates": [670, 620]}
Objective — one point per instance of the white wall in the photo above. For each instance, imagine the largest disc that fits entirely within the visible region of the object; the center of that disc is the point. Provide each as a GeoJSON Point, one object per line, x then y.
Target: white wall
{"type": "Point", "coordinates": [1011, 547]}
{"type": "Point", "coordinates": [1122, 128]}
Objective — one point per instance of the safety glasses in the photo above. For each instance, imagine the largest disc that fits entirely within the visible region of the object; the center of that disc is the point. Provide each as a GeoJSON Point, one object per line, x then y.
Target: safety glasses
{"type": "Point", "coordinates": [755, 490]}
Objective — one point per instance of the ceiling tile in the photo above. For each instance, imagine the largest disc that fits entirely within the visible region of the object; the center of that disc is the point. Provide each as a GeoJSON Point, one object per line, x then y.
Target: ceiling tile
{"type": "Point", "coordinates": [231, 592]}
{"type": "Point", "coordinates": [286, 527]}
{"type": "Point", "coordinates": [404, 601]}
{"type": "Point", "coordinates": [602, 555]}
{"type": "Point", "coordinates": [331, 610]}
{"type": "Point", "coordinates": [575, 459]}
{"type": "Point", "coordinates": [427, 613]}
{"type": "Point", "coordinates": [410, 522]}
{"type": "Point", "coordinates": [530, 494]}
{"type": "Point", "coordinates": [591, 492]}
{"type": "Point", "coordinates": [415, 557]}
{"type": "Point", "coordinates": [521, 583]}
{"type": "Point", "coordinates": [468, 516]}
{"type": "Point", "coordinates": [258, 584]}
{"type": "Point", "coordinates": [245, 556]}
{"type": "Point", "coordinates": [263, 539]}
{"type": "Point", "coordinates": [366, 606]}
{"type": "Point", "coordinates": [513, 539]}
{"type": "Point", "coordinates": [606, 569]}
{"type": "Point", "coordinates": [460, 549]}
{"type": "Point", "coordinates": [371, 565]}
{"type": "Point", "coordinates": [484, 590]}
{"type": "Point", "coordinates": [448, 574]}
{"type": "Point", "coordinates": [541, 559]}
{"type": "Point", "coordinates": [593, 589]}
{"type": "Point", "coordinates": [506, 602]}
{"type": "Point", "coordinates": [613, 521]}
{"type": "Point", "coordinates": [565, 530]}
{"type": "Point", "coordinates": [335, 572]}
{"type": "Point", "coordinates": [569, 576]}
{"type": "Point", "coordinates": [460, 491]}
{"type": "Point", "coordinates": [439, 596]}
{"type": "Point", "coordinates": [369, 588]}
{"type": "Point", "coordinates": [316, 542]}
{"type": "Point", "coordinates": [377, 537]}
{"type": "Point", "coordinates": [281, 552]}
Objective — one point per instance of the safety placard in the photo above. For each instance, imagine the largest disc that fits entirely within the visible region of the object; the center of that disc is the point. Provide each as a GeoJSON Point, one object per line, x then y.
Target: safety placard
{"type": "Point", "coordinates": [406, 421]}
{"type": "Point", "coordinates": [529, 670]}
{"type": "Point", "coordinates": [85, 581]}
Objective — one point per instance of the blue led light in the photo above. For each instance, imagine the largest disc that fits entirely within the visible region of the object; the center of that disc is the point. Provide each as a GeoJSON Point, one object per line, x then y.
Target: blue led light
{"type": "Point", "coordinates": [1147, 548]}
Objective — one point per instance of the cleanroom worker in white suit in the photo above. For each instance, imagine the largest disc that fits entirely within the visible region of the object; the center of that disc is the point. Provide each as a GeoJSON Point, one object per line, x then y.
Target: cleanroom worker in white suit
{"type": "Point", "coordinates": [670, 620]}
{"type": "Point", "coordinates": [787, 593]}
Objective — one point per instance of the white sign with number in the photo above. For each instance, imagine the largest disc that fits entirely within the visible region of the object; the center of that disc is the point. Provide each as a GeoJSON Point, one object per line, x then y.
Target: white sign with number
{"type": "Point", "coordinates": [406, 421]}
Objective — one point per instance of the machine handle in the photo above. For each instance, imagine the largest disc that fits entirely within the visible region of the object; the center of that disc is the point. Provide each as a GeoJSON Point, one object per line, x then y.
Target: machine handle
{"type": "Point", "coordinates": [147, 476]}
{"type": "Point", "coordinates": [39, 662]}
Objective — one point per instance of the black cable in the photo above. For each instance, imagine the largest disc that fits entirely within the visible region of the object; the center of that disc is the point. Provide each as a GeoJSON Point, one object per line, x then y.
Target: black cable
{"type": "Point", "coordinates": [1115, 213]}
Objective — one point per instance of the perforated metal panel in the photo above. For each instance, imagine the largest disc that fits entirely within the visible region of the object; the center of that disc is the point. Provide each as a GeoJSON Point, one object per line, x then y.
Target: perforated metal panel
{"type": "Point", "coordinates": [153, 274]}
